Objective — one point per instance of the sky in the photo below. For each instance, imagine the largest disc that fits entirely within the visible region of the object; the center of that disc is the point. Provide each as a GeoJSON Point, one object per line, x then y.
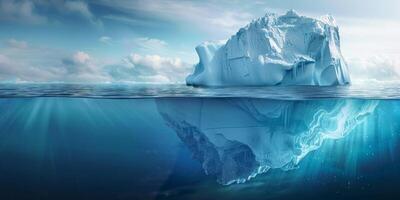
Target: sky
{"type": "Point", "coordinates": [153, 41]}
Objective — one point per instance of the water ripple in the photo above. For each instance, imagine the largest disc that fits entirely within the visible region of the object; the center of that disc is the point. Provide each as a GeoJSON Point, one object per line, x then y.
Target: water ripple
{"type": "Point", "coordinates": [126, 91]}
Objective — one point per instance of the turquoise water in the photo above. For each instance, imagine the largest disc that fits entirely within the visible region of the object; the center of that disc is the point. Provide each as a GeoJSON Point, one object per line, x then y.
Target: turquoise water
{"type": "Point", "coordinates": [79, 143]}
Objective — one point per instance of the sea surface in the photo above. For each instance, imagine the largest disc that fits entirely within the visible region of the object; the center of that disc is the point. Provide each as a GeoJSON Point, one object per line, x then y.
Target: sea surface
{"type": "Point", "coordinates": [109, 141]}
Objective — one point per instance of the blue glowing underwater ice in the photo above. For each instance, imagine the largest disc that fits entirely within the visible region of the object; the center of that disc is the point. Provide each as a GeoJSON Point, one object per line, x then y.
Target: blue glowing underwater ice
{"type": "Point", "coordinates": [236, 139]}
{"type": "Point", "coordinates": [274, 50]}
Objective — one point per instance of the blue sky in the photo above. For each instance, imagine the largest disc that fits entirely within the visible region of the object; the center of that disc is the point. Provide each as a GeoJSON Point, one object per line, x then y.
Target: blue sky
{"type": "Point", "coordinates": [154, 40]}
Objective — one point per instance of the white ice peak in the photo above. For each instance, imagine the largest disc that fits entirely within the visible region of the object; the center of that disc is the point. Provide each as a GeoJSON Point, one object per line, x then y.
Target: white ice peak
{"type": "Point", "coordinates": [275, 50]}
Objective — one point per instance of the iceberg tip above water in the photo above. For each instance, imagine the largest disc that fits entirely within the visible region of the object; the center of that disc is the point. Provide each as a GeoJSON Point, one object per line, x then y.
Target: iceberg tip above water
{"type": "Point", "coordinates": [289, 49]}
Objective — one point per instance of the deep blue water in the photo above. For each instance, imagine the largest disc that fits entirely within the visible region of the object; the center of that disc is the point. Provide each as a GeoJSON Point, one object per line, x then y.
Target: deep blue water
{"type": "Point", "coordinates": [90, 142]}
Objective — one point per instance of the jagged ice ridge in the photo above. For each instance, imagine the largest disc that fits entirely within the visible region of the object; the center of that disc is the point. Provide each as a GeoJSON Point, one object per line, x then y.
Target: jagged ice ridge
{"type": "Point", "coordinates": [274, 50]}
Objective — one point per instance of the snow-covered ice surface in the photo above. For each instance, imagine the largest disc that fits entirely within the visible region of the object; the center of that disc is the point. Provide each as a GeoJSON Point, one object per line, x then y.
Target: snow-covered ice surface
{"type": "Point", "coordinates": [274, 50]}
{"type": "Point", "coordinates": [238, 138]}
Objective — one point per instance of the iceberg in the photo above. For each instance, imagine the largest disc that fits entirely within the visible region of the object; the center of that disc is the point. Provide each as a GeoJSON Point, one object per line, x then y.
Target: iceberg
{"type": "Point", "coordinates": [236, 139]}
{"type": "Point", "coordinates": [274, 50]}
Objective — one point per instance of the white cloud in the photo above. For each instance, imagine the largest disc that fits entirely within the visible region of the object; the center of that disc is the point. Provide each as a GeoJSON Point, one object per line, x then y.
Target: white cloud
{"type": "Point", "coordinates": [13, 43]}
{"type": "Point", "coordinates": [79, 8]}
{"type": "Point", "coordinates": [231, 20]}
{"type": "Point", "coordinates": [129, 21]}
{"type": "Point", "coordinates": [17, 70]}
{"type": "Point", "coordinates": [150, 68]}
{"type": "Point", "coordinates": [370, 49]}
{"type": "Point", "coordinates": [38, 64]}
{"type": "Point", "coordinates": [81, 57]}
{"type": "Point", "coordinates": [105, 39]}
{"type": "Point", "coordinates": [20, 11]}
{"type": "Point", "coordinates": [157, 62]}
{"type": "Point", "coordinates": [26, 11]}
{"type": "Point", "coordinates": [362, 37]}
{"type": "Point", "coordinates": [377, 68]}
{"type": "Point", "coordinates": [35, 64]}
{"type": "Point", "coordinates": [149, 44]}
{"type": "Point", "coordinates": [81, 67]}
{"type": "Point", "coordinates": [82, 70]}
{"type": "Point", "coordinates": [218, 19]}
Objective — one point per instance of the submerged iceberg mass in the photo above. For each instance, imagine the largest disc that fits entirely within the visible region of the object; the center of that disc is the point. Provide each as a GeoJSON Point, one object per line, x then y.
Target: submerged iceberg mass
{"type": "Point", "coordinates": [237, 139]}
{"type": "Point", "coordinates": [274, 50]}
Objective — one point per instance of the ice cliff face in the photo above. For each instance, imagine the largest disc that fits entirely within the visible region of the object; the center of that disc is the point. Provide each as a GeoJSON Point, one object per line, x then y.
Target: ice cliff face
{"type": "Point", "coordinates": [236, 139]}
{"type": "Point", "coordinates": [274, 50]}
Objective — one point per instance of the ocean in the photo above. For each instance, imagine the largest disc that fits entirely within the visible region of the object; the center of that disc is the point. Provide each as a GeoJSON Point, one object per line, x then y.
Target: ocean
{"type": "Point", "coordinates": [121, 141]}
